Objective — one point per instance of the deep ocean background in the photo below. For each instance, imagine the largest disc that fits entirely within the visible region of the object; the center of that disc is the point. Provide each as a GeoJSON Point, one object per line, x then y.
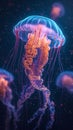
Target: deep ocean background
{"type": "Point", "coordinates": [11, 12]}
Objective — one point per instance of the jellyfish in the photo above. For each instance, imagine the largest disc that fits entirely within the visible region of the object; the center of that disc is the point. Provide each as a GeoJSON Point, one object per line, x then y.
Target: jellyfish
{"type": "Point", "coordinates": [57, 10]}
{"type": "Point", "coordinates": [21, 30]}
{"type": "Point", "coordinates": [65, 80]}
{"type": "Point", "coordinates": [6, 93]}
{"type": "Point", "coordinates": [40, 35]}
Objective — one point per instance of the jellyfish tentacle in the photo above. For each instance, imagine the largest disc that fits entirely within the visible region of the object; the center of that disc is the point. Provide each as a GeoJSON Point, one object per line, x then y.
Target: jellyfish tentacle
{"type": "Point", "coordinates": [47, 104]}
{"type": "Point", "coordinates": [24, 96]}
{"type": "Point", "coordinates": [52, 113]}
{"type": "Point", "coordinates": [36, 56]}
{"type": "Point", "coordinates": [46, 94]}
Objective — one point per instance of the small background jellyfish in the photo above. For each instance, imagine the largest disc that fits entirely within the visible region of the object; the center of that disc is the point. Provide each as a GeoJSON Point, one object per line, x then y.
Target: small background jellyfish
{"type": "Point", "coordinates": [40, 34]}
{"type": "Point", "coordinates": [65, 80]}
{"type": "Point", "coordinates": [6, 94]}
{"type": "Point", "coordinates": [57, 10]}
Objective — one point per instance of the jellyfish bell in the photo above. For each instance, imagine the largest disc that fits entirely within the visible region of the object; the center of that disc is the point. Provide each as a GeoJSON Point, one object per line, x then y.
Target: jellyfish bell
{"type": "Point", "coordinates": [65, 80]}
{"type": "Point", "coordinates": [39, 26]}
{"type": "Point", "coordinates": [6, 75]}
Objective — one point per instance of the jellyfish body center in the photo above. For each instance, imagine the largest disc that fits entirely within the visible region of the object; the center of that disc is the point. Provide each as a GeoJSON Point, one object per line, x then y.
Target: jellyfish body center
{"type": "Point", "coordinates": [3, 86]}
{"type": "Point", "coordinates": [56, 11]}
{"type": "Point", "coordinates": [39, 31]}
{"type": "Point", "coordinates": [67, 81]}
{"type": "Point", "coordinates": [36, 52]}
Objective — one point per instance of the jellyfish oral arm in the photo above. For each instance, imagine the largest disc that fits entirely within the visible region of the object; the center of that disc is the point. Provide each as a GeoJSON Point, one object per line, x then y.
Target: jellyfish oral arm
{"type": "Point", "coordinates": [36, 57]}
{"type": "Point", "coordinates": [24, 96]}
